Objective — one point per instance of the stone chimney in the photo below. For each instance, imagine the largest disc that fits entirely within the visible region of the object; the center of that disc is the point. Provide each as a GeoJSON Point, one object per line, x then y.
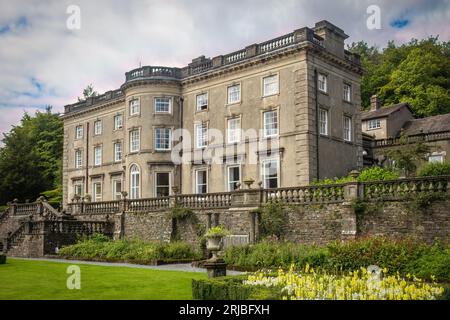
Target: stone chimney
{"type": "Point", "coordinates": [333, 37]}
{"type": "Point", "coordinates": [375, 103]}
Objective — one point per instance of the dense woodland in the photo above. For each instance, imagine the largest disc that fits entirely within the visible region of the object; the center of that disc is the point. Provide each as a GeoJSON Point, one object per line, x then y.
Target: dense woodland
{"type": "Point", "coordinates": [417, 72]}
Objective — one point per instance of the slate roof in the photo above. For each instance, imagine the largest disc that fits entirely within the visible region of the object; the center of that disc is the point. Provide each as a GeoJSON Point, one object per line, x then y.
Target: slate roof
{"type": "Point", "coordinates": [433, 124]}
{"type": "Point", "coordinates": [383, 111]}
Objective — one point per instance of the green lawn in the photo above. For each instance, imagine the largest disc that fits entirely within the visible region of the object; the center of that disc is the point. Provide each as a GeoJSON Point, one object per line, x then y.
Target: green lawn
{"type": "Point", "coordinates": [27, 279]}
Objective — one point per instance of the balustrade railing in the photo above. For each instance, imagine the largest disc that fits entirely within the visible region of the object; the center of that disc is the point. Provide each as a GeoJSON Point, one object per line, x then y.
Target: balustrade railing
{"type": "Point", "coordinates": [277, 43]}
{"type": "Point", "coordinates": [424, 137]}
{"type": "Point", "coordinates": [26, 208]}
{"type": "Point", "coordinates": [307, 194]}
{"type": "Point", "coordinates": [149, 204]}
{"type": "Point", "coordinates": [396, 189]}
{"type": "Point", "coordinates": [206, 200]}
{"type": "Point", "coordinates": [102, 207]}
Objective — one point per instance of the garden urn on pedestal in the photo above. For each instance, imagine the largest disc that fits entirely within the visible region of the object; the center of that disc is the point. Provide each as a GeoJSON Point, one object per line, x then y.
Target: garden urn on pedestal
{"type": "Point", "coordinates": [215, 266]}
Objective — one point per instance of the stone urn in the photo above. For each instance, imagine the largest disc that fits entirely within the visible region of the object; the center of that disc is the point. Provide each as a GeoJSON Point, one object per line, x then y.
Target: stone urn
{"type": "Point", "coordinates": [215, 266]}
{"type": "Point", "coordinates": [214, 244]}
{"type": "Point", "coordinates": [248, 182]}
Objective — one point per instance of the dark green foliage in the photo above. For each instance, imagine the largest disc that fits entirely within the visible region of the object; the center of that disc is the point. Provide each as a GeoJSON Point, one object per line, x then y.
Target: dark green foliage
{"type": "Point", "coordinates": [367, 174]}
{"type": "Point", "coordinates": [273, 220]}
{"type": "Point", "coordinates": [31, 158]}
{"type": "Point", "coordinates": [276, 254]}
{"type": "Point", "coordinates": [403, 256]}
{"type": "Point", "coordinates": [407, 156]}
{"type": "Point", "coordinates": [377, 174]}
{"type": "Point", "coordinates": [231, 288]}
{"type": "Point", "coordinates": [101, 247]}
{"type": "Point", "coordinates": [417, 72]}
{"type": "Point", "coordinates": [2, 258]}
{"type": "Point", "coordinates": [434, 169]}
{"type": "Point", "coordinates": [180, 213]}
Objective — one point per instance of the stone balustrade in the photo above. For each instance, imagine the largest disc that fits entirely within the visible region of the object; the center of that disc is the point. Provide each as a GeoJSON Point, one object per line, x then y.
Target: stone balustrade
{"type": "Point", "coordinates": [424, 137]}
{"type": "Point", "coordinates": [101, 207]}
{"type": "Point", "coordinates": [308, 194]}
{"type": "Point", "coordinates": [397, 189]}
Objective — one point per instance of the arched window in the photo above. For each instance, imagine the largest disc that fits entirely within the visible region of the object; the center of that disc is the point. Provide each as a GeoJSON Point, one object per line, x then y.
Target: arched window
{"type": "Point", "coordinates": [134, 182]}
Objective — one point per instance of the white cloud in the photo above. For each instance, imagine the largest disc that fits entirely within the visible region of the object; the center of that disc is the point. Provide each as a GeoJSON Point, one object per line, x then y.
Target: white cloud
{"type": "Point", "coordinates": [116, 36]}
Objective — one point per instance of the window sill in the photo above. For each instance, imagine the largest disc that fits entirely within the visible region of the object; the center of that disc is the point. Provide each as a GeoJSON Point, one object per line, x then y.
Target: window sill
{"type": "Point", "coordinates": [348, 102]}
{"type": "Point", "coordinates": [323, 92]}
{"type": "Point", "coordinates": [233, 104]}
{"type": "Point", "coordinates": [271, 95]}
{"type": "Point", "coordinates": [137, 115]}
{"type": "Point", "coordinates": [162, 113]}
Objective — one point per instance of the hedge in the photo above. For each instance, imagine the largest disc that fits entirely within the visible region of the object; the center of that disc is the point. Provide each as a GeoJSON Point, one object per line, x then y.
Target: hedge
{"type": "Point", "coordinates": [231, 288]}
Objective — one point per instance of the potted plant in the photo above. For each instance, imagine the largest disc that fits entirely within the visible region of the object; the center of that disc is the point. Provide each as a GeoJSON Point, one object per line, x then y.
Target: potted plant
{"type": "Point", "coordinates": [214, 240]}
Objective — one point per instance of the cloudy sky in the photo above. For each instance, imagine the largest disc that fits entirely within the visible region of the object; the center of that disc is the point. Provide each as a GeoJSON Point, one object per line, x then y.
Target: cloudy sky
{"type": "Point", "coordinates": [43, 62]}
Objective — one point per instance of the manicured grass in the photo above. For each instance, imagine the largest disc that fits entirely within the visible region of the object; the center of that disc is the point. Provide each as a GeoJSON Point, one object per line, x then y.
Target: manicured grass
{"type": "Point", "coordinates": [31, 279]}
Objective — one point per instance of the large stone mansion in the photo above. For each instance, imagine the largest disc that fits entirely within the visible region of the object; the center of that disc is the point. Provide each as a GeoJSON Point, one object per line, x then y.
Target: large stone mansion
{"type": "Point", "coordinates": [299, 92]}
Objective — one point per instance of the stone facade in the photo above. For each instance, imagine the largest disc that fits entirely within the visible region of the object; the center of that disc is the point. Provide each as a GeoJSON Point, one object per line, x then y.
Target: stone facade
{"type": "Point", "coordinates": [294, 61]}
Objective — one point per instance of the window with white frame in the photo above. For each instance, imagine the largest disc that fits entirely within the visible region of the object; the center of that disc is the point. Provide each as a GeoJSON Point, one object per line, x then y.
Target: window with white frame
{"type": "Point", "coordinates": [135, 140]}
{"type": "Point", "coordinates": [97, 191]}
{"type": "Point", "coordinates": [118, 122]}
{"type": "Point", "coordinates": [98, 127]}
{"type": "Point", "coordinates": [234, 130]}
{"type": "Point", "coordinates": [233, 177]}
{"type": "Point", "coordinates": [436, 158]}
{"type": "Point", "coordinates": [78, 159]}
{"type": "Point", "coordinates": [162, 138]}
{"type": "Point", "coordinates": [201, 135]}
{"type": "Point", "coordinates": [117, 188]}
{"type": "Point", "coordinates": [201, 181]}
{"type": "Point", "coordinates": [202, 101]}
{"type": "Point", "coordinates": [322, 82]}
{"type": "Point", "coordinates": [162, 184]}
{"type": "Point", "coordinates": [347, 92]}
{"type": "Point", "coordinates": [270, 173]}
{"type": "Point", "coordinates": [117, 151]}
{"type": "Point", "coordinates": [373, 124]}
{"type": "Point", "coordinates": [97, 156]}
{"type": "Point", "coordinates": [134, 182]}
{"type": "Point", "coordinates": [270, 85]}
{"type": "Point", "coordinates": [234, 94]}
{"type": "Point", "coordinates": [79, 132]}
{"type": "Point", "coordinates": [163, 105]}
{"type": "Point", "coordinates": [323, 122]}
{"type": "Point", "coordinates": [134, 107]}
{"type": "Point", "coordinates": [270, 123]}
{"type": "Point", "coordinates": [78, 188]}
{"type": "Point", "coordinates": [347, 128]}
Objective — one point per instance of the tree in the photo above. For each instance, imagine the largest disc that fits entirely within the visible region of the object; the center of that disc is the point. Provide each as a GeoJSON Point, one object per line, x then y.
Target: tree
{"type": "Point", "coordinates": [30, 160]}
{"type": "Point", "coordinates": [407, 156]}
{"type": "Point", "coordinates": [88, 92]}
{"type": "Point", "coordinates": [417, 72]}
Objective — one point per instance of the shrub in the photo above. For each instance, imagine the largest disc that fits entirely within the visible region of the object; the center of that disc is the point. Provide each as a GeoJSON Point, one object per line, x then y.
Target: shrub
{"type": "Point", "coordinates": [434, 169]}
{"type": "Point", "coordinates": [273, 220]}
{"type": "Point", "coordinates": [276, 254]}
{"type": "Point", "coordinates": [367, 174]}
{"type": "Point", "coordinates": [99, 247]}
{"type": "Point", "coordinates": [230, 288]}
{"type": "Point", "coordinates": [377, 174]}
{"type": "Point", "coordinates": [385, 253]}
{"type": "Point", "coordinates": [403, 256]}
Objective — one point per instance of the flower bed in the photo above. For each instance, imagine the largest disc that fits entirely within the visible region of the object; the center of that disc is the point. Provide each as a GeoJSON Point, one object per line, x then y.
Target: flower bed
{"type": "Point", "coordinates": [357, 285]}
